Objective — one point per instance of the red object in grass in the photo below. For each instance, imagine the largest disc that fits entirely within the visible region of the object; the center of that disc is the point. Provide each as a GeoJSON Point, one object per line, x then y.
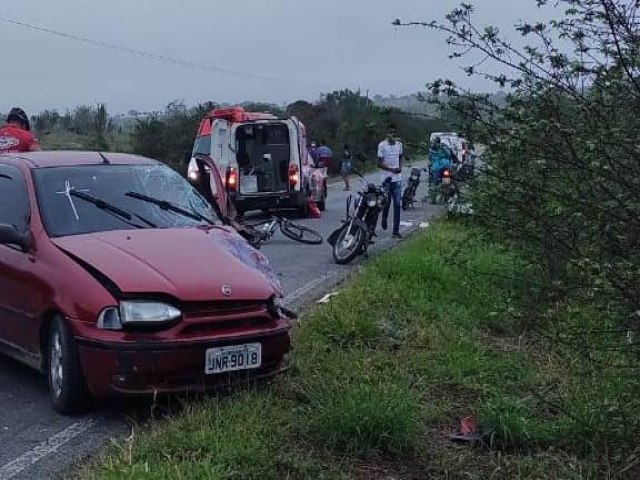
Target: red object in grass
{"type": "Point", "coordinates": [468, 426]}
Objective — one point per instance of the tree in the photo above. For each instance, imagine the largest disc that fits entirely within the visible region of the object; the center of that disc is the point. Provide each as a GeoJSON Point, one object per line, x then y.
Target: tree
{"type": "Point", "coordinates": [562, 183]}
{"type": "Point", "coordinates": [347, 117]}
{"type": "Point", "coordinates": [563, 151]}
{"type": "Point", "coordinates": [169, 138]}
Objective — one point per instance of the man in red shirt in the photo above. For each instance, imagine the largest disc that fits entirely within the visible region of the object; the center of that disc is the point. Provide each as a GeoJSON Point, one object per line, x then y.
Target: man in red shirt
{"type": "Point", "coordinates": [16, 135]}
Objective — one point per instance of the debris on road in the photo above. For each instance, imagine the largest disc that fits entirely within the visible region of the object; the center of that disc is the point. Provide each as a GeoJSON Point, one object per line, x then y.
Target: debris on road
{"type": "Point", "coordinates": [470, 432]}
{"type": "Point", "coordinates": [327, 297]}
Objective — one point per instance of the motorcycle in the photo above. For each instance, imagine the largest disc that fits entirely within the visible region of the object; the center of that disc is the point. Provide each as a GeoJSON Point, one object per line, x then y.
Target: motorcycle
{"type": "Point", "coordinates": [358, 229]}
{"type": "Point", "coordinates": [444, 187]}
{"type": "Point", "coordinates": [408, 196]}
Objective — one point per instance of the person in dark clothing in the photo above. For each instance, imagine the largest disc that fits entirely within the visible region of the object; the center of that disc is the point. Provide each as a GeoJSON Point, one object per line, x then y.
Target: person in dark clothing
{"type": "Point", "coordinates": [345, 168]}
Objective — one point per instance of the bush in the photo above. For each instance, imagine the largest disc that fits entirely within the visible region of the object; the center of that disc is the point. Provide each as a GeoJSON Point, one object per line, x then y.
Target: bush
{"type": "Point", "coordinates": [563, 176]}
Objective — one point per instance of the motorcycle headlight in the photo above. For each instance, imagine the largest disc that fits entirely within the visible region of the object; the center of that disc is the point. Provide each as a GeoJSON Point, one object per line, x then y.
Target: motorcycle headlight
{"type": "Point", "coordinates": [137, 313]}
{"type": "Point", "coordinates": [372, 201]}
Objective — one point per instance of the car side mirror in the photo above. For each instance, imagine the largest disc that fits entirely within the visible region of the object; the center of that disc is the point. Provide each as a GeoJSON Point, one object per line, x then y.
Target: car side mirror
{"type": "Point", "coordinates": [9, 235]}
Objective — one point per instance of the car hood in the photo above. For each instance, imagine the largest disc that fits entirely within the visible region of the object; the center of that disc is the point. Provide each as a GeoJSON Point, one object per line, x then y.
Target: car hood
{"type": "Point", "coordinates": [190, 264]}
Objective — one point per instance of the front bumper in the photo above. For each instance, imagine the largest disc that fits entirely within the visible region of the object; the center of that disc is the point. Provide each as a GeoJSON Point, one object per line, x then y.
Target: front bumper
{"type": "Point", "coordinates": [139, 368]}
{"type": "Point", "coordinates": [270, 201]}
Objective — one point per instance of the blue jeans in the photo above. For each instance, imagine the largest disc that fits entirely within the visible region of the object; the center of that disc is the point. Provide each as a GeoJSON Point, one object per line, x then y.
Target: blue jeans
{"type": "Point", "coordinates": [395, 192]}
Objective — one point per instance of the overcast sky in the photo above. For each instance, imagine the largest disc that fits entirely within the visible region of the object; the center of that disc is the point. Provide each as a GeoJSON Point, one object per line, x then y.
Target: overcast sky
{"type": "Point", "coordinates": [305, 47]}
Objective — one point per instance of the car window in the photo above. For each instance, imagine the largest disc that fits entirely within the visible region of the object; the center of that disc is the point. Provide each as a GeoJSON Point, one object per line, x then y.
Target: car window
{"type": "Point", "coordinates": [65, 214]}
{"type": "Point", "coordinates": [14, 201]}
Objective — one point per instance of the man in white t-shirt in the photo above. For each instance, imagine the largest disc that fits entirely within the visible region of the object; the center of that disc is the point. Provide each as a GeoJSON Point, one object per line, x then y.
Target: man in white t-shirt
{"type": "Point", "coordinates": [390, 163]}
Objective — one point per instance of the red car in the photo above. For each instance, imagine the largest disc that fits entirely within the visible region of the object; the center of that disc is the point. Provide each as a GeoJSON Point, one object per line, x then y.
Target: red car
{"type": "Point", "coordinates": [116, 277]}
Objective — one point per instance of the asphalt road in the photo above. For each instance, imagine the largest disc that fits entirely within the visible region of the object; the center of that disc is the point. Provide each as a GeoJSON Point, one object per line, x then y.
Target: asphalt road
{"type": "Point", "coordinates": [36, 442]}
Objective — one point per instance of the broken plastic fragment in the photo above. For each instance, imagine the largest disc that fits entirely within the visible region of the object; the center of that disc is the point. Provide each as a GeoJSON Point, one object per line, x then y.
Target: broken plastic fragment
{"type": "Point", "coordinates": [470, 432]}
{"type": "Point", "coordinates": [327, 297]}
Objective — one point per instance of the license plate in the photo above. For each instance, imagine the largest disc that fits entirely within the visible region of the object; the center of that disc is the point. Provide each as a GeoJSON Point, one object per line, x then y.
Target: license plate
{"type": "Point", "coordinates": [248, 184]}
{"type": "Point", "coordinates": [446, 181]}
{"type": "Point", "coordinates": [232, 358]}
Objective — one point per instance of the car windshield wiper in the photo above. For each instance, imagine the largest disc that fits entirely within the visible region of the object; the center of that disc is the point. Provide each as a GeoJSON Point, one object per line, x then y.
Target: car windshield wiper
{"type": "Point", "coordinates": [123, 215]}
{"type": "Point", "coordinates": [164, 205]}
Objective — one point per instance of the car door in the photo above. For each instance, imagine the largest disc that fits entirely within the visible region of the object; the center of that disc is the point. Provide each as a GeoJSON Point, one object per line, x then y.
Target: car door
{"type": "Point", "coordinates": [220, 143]}
{"type": "Point", "coordinates": [21, 289]}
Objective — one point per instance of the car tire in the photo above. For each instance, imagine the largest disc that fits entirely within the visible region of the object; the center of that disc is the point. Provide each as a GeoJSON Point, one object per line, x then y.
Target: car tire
{"type": "Point", "coordinates": [67, 387]}
{"type": "Point", "coordinates": [304, 209]}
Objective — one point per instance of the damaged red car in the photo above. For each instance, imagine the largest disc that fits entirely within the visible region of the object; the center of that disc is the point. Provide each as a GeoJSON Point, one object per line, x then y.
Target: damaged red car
{"type": "Point", "coordinates": [117, 278]}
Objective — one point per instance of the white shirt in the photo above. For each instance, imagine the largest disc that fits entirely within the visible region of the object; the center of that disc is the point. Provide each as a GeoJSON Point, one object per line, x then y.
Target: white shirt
{"type": "Point", "coordinates": [390, 155]}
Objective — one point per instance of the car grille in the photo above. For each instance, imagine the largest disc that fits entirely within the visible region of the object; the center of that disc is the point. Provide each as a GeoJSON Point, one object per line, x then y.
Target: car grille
{"type": "Point", "coordinates": [224, 318]}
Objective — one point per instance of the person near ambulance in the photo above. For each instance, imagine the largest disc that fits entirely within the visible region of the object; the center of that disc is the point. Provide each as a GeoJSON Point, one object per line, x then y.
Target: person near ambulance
{"type": "Point", "coordinates": [325, 155]}
{"type": "Point", "coordinates": [16, 136]}
{"type": "Point", "coordinates": [440, 159]}
{"type": "Point", "coordinates": [313, 152]}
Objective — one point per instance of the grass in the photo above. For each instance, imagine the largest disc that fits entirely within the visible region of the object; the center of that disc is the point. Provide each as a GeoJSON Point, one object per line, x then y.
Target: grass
{"type": "Point", "coordinates": [435, 331]}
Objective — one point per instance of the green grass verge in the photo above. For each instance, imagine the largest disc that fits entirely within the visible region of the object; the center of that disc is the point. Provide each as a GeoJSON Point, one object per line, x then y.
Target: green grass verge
{"type": "Point", "coordinates": [437, 330]}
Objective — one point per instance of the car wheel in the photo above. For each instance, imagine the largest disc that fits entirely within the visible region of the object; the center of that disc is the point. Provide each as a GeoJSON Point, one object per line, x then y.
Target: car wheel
{"type": "Point", "coordinates": [303, 209]}
{"type": "Point", "coordinates": [67, 387]}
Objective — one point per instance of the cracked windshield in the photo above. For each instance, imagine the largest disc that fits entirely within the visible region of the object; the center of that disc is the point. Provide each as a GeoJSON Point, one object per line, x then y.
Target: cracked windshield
{"type": "Point", "coordinates": [97, 198]}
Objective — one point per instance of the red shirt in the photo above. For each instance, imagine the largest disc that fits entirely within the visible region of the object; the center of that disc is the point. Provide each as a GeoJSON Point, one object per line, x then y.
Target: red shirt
{"type": "Point", "coordinates": [14, 139]}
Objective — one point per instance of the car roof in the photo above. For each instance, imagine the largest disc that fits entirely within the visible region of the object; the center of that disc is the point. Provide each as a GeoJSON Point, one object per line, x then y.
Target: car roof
{"type": "Point", "coordinates": [61, 158]}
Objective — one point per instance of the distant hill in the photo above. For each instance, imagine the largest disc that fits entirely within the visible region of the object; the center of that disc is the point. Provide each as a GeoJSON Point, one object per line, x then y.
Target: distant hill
{"type": "Point", "coordinates": [417, 102]}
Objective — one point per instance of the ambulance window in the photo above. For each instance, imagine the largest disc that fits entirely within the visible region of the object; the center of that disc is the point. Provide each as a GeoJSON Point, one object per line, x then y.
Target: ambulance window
{"type": "Point", "coordinates": [202, 145]}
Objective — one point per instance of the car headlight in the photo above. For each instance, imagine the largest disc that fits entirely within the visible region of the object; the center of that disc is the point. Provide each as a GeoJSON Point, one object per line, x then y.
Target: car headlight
{"type": "Point", "coordinates": [137, 313]}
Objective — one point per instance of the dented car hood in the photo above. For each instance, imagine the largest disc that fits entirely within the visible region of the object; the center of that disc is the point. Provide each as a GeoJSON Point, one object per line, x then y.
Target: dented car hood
{"type": "Point", "coordinates": [190, 264]}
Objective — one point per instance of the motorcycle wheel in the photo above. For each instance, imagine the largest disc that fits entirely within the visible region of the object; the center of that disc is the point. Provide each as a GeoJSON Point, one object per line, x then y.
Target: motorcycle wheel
{"type": "Point", "coordinates": [349, 243]}
{"type": "Point", "coordinates": [407, 197]}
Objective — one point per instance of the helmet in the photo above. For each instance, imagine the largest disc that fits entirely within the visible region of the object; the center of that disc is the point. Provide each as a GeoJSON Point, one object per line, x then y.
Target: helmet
{"type": "Point", "coordinates": [18, 114]}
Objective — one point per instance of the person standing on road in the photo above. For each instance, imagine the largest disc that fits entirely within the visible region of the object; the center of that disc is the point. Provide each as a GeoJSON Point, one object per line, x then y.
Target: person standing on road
{"type": "Point", "coordinates": [439, 160]}
{"type": "Point", "coordinates": [16, 136]}
{"type": "Point", "coordinates": [390, 163]}
{"type": "Point", "coordinates": [313, 151]}
{"type": "Point", "coordinates": [345, 168]}
{"type": "Point", "coordinates": [325, 155]}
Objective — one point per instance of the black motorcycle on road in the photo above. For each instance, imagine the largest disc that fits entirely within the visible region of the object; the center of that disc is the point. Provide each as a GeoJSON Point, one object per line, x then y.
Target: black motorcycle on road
{"type": "Point", "coordinates": [409, 194]}
{"type": "Point", "coordinates": [358, 230]}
